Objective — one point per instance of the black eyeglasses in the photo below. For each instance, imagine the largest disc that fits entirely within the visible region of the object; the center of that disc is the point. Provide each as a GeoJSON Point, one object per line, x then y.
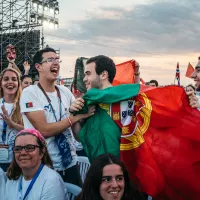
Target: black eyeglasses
{"type": "Point", "coordinates": [51, 60]}
{"type": "Point", "coordinates": [27, 148]}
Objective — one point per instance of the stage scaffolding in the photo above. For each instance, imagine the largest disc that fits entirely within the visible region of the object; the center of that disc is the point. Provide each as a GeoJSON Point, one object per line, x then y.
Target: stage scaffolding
{"type": "Point", "coordinates": [21, 24]}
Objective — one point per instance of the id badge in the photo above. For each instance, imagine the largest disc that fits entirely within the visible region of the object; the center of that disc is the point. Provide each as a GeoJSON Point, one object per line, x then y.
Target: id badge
{"type": "Point", "coordinates": [3, 153]}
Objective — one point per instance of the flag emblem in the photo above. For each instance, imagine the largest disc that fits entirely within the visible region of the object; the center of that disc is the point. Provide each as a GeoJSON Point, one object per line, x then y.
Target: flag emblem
{"type": "Point", "coordinates": [29, 105]}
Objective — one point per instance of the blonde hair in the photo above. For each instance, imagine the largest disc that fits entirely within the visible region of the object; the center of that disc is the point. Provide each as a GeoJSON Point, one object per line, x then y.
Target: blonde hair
{"type": "Point", "coordinates": [16, 115]}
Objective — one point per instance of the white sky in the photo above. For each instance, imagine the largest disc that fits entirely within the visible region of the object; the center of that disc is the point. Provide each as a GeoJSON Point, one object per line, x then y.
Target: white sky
{"type": "Point", "coordinates": [156, 63]}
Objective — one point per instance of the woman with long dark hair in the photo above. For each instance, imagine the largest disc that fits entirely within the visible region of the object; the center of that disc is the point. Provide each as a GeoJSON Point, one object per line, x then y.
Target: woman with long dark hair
{"type": "Point", "coordinates": [107, 179]}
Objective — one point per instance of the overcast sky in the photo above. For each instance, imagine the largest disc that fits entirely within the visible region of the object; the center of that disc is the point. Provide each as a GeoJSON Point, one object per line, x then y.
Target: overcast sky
{"type": "Point", "coordinates": [156, 33]}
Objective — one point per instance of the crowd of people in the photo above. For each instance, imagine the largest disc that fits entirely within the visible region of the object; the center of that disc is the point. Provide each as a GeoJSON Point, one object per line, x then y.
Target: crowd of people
{"type": "Point", "coordinates": [39, 133]}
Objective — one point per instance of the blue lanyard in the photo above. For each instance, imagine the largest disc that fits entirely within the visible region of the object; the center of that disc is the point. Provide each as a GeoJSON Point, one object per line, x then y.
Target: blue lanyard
{"type": "Point", "coordinates": [49, 101]}
{"type": "Point", "coordinates": [4, 126]}
{"type": "Point", "coordinates": [31, 183]}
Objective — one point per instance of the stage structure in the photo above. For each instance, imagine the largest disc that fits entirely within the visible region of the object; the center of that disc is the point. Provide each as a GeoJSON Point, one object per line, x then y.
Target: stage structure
{"type": "Point", "coordinates": [21, 24]}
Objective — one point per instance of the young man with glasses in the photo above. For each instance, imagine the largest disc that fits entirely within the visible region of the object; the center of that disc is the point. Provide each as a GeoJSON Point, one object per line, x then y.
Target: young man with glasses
{"type": "Point", "coordinates": [45, 107]}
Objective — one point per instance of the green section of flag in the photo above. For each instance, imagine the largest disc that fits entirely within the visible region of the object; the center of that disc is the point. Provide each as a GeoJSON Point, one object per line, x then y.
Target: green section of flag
{"type": "Point", "coordinates": [79, 75]}
{"type": "Point", "coordinates": [100, 134]}
{"type": "Point", "coordinates": [111, 94]}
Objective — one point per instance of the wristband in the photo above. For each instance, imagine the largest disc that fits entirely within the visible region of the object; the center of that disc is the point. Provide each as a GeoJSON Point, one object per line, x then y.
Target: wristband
{"type": "Point", "coordinates": [69, 120]}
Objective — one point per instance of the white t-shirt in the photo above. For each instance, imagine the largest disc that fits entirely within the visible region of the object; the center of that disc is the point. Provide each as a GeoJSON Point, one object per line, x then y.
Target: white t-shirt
{"type": "Point", "coordinates": [48, 186]}
{"type": "Point", "coordinates": [33, 99]}
{"type": "Point", "coordinates": [25, 185]}
{"type": "Point", "coordinates": [10, 136]}
{"type": "Point", "coordinates": [2, 183]}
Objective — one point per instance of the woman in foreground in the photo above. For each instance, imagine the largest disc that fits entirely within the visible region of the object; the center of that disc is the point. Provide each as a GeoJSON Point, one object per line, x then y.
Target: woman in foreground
{"type": "Point", "coordinates": [30, 175]}
{"type": "Point", "coordinates": [107, 179]}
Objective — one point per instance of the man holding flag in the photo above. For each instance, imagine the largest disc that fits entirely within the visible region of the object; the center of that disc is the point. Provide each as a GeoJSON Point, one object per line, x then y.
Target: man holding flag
{"type": "Point", "coordinates": [157, 137]}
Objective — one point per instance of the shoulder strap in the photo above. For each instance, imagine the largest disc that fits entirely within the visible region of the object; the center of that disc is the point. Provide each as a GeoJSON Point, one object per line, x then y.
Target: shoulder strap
{"type": "Point", "coordinates": [49, 100]}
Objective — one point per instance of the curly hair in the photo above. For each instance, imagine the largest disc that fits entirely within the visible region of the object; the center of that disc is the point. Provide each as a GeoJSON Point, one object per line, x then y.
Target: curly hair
{"type": "Point", "coordinates": [104, 63]}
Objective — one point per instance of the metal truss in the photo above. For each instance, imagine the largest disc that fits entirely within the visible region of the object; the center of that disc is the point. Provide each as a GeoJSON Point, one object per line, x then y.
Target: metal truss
{"type": "Point", "coordinates": [19, 28]}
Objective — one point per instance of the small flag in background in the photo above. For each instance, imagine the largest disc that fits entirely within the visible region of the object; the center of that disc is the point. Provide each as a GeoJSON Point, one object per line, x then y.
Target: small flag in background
{"type": "Point", "coordinates": [189, 71]}
{"type": "Point", "coordinates": [177, 74]}
{"type": "Point", "coordinates": [62, 82]}
{"type": "Point", "coordinates": [29, 105]}
{"type": "Point", "coordinates": [142, 81]}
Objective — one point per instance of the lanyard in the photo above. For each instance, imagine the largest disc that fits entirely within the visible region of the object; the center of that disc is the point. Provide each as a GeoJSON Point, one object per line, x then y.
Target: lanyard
{"type": "Point", "coordinates": [49, 100]}
{"type": "Point", "coordinates": [5, 125]}
{"type": "Point", "coordinates": [31, 183]}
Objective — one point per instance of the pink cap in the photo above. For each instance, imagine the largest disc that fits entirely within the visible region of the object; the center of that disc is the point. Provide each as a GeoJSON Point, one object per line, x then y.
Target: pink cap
{"type": "Point", "coordinates": [34, 132]}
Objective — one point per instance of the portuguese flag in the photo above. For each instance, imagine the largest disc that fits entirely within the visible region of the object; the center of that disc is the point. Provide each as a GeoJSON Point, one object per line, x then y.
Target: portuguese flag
{"type": "Point", "coordinates": [154, 131]}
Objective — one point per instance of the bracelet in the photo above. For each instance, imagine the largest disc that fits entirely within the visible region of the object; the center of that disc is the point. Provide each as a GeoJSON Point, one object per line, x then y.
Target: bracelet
{"type": "Point", "coordinates": [137, 74]}
{"type": "Point", "coordinates": [69, 120]}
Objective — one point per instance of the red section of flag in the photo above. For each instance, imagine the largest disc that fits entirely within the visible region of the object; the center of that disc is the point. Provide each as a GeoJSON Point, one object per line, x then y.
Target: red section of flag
{"type": "Point", "coordinates": [124, 73]}
{"type": "Point", "coordinates": [167, 162]}
{"type": "Point", "coordinates": [189, 71]}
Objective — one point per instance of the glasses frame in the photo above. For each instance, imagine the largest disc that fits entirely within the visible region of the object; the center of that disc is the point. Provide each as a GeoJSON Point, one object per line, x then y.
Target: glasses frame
{"type": "Point", "coordinates": [24, 147]}
{"type": "Point", "coordinates": [54, 60]}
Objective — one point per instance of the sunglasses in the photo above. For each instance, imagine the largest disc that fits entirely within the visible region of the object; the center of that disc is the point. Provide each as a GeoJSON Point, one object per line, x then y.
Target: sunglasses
{"type": "Point", "coordinates": [27, 148]}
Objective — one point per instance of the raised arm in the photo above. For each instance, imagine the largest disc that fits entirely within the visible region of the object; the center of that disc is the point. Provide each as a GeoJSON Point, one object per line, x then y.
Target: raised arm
{"type": "Point", "coordinates": [137, 72]}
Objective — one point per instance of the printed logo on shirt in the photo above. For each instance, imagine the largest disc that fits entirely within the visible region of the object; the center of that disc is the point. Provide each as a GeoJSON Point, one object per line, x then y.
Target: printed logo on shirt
{"type": "Point", "coordinates": [48, 109]}
{"type": "Point", "coordinates": [29, 105]}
